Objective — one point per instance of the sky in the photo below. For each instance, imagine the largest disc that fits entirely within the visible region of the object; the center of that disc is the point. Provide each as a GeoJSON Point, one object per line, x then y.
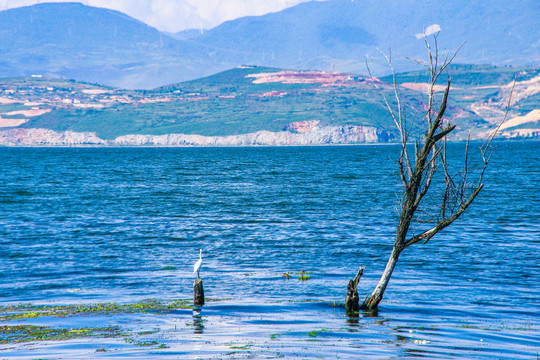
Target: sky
{"type": "Point", "coordinates": [177, 15]}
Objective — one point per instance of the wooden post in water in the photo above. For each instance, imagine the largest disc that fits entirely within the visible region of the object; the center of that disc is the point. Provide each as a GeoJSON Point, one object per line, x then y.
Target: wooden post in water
{"type": "Point", "coordinates": [351, 301]}
{"type": "Point", "coordinates": [198, 293]}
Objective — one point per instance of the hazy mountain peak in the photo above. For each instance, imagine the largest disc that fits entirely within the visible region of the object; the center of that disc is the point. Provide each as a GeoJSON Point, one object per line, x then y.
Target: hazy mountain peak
{"type": "Point", "coordinates": [74, 25]}
{"type": "Point", "coordinates": [106, 46]}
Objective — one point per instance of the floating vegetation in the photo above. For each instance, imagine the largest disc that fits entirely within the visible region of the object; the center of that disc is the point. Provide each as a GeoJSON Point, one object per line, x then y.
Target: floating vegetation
{"type": "Point", "coordinates": [145, 343]}
{"type": "Point", "coordinates": [244, 347]}
{"type": "Point", "coordinates": [169, 267]}
{"type": "Point", "coordinates": [303, 276]}
{"type": "Point", "coordinates": [26, 333]}
{"type": "Point", "coordinates": [314, 333]}
{"type": "Point", "coordinates": [502, 327]}
{"type": "Point", "coordinates": [151, 332]}
{"type": "Point", "coordinates": [146, 306]}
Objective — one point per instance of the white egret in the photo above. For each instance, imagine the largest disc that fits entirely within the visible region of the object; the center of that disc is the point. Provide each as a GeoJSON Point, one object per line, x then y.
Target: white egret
{"type": "Point", "coordinates": [197, 265]}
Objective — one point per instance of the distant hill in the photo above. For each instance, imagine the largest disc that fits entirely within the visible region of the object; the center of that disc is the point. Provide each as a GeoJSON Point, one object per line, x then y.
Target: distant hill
{"type": "Point", "coordinates": [100, 45]}
{"type": "Point", "coordinates": [75, 26]}
{"type": "Point", "coordinates": [93, 44]}
{"type": "Point", "coordinates": [318, 34]}
{"type": "Point", "coordinates": [324, 107]}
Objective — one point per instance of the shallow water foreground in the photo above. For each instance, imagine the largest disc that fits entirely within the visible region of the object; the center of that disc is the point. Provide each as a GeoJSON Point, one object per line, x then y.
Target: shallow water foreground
{"type": "Point", "coordinates": [228, 329]}
{"type": "Point", "coordinates": [82, 227]}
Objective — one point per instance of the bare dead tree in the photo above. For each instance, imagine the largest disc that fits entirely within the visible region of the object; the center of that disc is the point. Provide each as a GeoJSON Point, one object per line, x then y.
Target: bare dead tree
{"type": "Point", "coordinates": [425, 167]}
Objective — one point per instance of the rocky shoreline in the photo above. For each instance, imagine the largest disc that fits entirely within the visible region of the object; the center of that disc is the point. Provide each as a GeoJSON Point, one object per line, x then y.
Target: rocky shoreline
{"type": "Point", "coordinates": [328, 135]}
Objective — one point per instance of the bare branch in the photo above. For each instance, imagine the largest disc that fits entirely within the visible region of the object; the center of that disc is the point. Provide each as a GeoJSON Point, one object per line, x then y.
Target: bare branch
{"type": "Point", "coordinates": [490, 138]}
{"type": "Point", "coordinates": [421, 63]}
{"type": "Point", "coordinates": [399, 121]}
{"type": "Point", "coordinates": [359, 274]}
{"type": "Point", "coordinates": [447, 181]}
{"type": "Point", "coordinates": [442, 108]}
{"type": "Point", "coordinates": [388, 107]}
{"type": "Point", "coordinates": [402, 172]}
{"type": "Point", "coordinates": [443, 133]}
{"type": "Point", "coordinates": [465, 167]}
{"type": "Point", "coordinates": [427, 235]}
{"type": "Point", "coordinates": [432, 163]}
{"type": "Point", "coordinates": [487, 144]}
{"type": "Point", "coordinates": [449, 61]}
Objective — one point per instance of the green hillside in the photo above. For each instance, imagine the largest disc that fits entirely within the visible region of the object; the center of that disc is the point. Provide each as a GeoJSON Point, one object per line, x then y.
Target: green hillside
{"type": "Point", "coordinates": [248, 99]}
{"type": "Point", "coordinates": [224, 104]}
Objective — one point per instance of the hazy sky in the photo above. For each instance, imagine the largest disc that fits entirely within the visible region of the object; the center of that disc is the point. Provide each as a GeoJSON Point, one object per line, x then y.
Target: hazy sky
{"type": "Point", "coordinates": [176, 15]}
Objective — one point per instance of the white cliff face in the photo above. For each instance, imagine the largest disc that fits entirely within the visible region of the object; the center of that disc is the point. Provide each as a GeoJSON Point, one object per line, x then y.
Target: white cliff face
{"type": "Point", "coordinates": [316, 136]}
{"type": "Point", "coordinates": [36, 137]}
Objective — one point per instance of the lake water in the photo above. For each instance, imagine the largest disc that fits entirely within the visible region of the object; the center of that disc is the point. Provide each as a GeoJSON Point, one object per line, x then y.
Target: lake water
{"type": "Point", "coordinates": [88, 225]}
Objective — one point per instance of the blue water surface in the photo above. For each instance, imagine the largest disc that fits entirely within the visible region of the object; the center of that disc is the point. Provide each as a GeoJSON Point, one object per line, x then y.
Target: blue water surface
{"type": "Point", "coordinates": [83, 225]}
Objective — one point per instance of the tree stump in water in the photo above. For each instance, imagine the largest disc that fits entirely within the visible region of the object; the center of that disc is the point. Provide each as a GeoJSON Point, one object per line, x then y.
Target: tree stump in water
{"type": "Point", "coordinates": [352, 300]}
{"type": "Point", "coordinates": [198, 293]}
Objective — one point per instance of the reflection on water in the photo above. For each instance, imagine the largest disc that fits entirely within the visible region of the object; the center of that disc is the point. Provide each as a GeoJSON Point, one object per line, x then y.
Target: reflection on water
{"type": "Point", "coordinates": [353, 321]}
{"type": "Point", "coordinates": [198, 322]}
{"type": "Point", "coordinates": [371, 313]}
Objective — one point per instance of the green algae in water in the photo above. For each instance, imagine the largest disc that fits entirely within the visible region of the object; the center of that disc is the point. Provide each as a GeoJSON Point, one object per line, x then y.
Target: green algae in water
{"type": "Point", "coordinates": [143, 343]}
{"type": "Point", "coordinates": [242, 347]}
{"type": "Point", "coordinates": [26, 333]}
{"type": "Point", "coordinates": [147, 306]}
{"type": "Point", "coordinates": [314, 333]}
{"type": "Point", "coordinates": [169, 267]}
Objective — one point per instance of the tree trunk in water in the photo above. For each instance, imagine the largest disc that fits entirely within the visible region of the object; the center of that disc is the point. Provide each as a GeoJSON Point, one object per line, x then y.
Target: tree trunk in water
{"type": "Point", "coordinates": [352, 300]}
{"type": "Point", "coordinates": [198, 293]}
{"type": "Point", "coordinates": [376, 296]}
